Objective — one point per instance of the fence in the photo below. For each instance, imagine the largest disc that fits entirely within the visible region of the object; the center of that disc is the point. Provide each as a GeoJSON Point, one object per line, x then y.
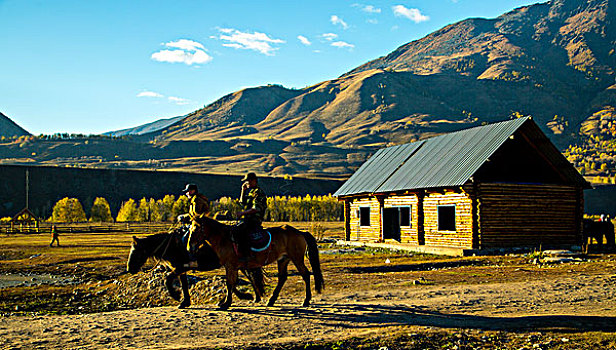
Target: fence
{"type": "Point", "coordinates": [121, 227]}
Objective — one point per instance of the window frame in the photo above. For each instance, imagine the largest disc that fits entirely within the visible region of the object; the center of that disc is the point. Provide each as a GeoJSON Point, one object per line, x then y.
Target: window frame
{"type": "Point", "coordinates": [410, 216]}
{"type": "Point", "coordinates": [439, 224]}
{"type": "Point", "coordinates": [361, 216]}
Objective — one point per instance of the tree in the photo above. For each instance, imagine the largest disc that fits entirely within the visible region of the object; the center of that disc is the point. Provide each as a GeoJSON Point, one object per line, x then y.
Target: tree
{"type": "Point", "coordinates": [128, 211]}
{"type": "Point", "coordinates": [180, 206]}
{"type": "Point", "coordinates": [68, 210]}
{"type": "Point", "coordinates": [100, 211]}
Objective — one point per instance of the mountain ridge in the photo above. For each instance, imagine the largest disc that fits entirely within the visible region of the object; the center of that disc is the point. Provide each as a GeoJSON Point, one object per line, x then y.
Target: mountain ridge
{"type": "Point", "coordinates": [8, 128]}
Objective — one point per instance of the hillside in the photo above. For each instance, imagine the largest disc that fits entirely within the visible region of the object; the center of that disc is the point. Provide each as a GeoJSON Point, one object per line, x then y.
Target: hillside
{"type": "Point", "coordinates": [555, 61]}
{"type": "Point", "coordinates": [9, 128]}
{"type": "Point", "coordinates": [146, 128]}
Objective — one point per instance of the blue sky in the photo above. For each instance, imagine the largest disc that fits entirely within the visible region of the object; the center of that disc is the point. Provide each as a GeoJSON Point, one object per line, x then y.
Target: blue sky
{"type": "Point", "coordinates": [90, 66]}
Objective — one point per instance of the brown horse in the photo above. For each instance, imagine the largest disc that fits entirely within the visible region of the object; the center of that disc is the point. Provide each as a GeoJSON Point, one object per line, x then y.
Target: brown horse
{"type": "Point", "coordinates": [287, 245]}
{"type": "Point", "coordinates": [169, 249]}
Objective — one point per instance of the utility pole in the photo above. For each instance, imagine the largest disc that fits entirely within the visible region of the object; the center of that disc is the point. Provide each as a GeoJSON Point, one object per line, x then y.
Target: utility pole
{"type": "Point", "coordinates": [27, 188]}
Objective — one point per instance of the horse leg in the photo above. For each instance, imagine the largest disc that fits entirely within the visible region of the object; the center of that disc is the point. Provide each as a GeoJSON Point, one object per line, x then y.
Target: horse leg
{"type": "Point", "coordinates": [169, 284]}
{"type": "Point", "coordinates": [231, 281]}
{"type": "Point", "coordinates": [303, 271]}
{"type": "Point", "coordinates": [186, 295]}
{"type": "Point", "coordinates": [282, 278]}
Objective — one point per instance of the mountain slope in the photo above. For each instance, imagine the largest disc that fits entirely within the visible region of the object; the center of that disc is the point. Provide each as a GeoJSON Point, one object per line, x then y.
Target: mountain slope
{"type": "Point", "coordinates": [554, 61]}
{"type": "Point", "coordinates": [9, 128]}
{"type": "Point", "coordinates": [146, 128]}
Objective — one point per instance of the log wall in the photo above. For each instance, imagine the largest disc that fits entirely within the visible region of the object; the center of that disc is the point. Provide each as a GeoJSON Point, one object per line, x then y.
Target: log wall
{"type": "Point", "coordinates": [516, 215]}
{"type": "Point", "coordinates": [370, 233]}
{"type": "Point", "coordinates": [462, 237]}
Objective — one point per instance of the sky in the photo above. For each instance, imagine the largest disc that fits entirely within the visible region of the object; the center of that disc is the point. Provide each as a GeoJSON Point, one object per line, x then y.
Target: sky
{"type": "Point", "coordinates": [92, 66]}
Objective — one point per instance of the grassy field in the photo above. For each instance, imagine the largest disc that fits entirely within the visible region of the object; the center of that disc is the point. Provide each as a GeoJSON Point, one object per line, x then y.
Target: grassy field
{"type": "Point", "coordinates": [92, 264]}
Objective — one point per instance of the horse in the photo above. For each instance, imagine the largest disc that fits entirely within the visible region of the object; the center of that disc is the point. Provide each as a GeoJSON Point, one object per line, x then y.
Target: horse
{"type": "Point", "coordinates": [169, 248]}
{"type": "Point", "coordinates": [597, 230]}
{"type": "Point", "coordinates": [287, 244]}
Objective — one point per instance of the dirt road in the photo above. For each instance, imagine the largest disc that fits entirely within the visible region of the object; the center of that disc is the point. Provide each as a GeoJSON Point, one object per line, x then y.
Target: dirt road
{"type": "Point", "coordinates": [578, 303]}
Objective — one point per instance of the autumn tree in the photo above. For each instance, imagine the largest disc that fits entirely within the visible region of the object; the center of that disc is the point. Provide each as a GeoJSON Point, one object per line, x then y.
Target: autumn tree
{"type": "Point", "coordinates": [68, 210]}
{"type": "Point", "coordinates": [100, 211]}
{"type": "Point", "coordinates": [128, 211]}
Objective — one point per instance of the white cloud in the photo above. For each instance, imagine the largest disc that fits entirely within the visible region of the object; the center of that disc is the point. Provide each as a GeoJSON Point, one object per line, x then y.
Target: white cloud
{"type": "Point", "coordinates": [256, 41]}
{"type": "Point", "coordinates": [413, 14]}
{"type": "Point", "coordinates": [304, 40]}
{"type": "Point", "coordinates": [372, 21]}
{"type": "Point", "coordinates": [329, 36]}
{"type": "Point", "coordinates": [149, 94]}
{"type": "Point", "coordinates": [337, 20]}
{"type": "Point", "coordinates": [186, 44]}
{"type": "Point", "coordinates": [189, 52]}
{"type": "Point", "coordinates": [342, 44]}
{"type": "Point", "coordinates": [179, 100]}
{"type": "Point", "coordinates": [368, 8]}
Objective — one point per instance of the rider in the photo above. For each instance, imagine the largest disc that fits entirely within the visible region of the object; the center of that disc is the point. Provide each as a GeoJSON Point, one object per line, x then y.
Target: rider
{"type": "Point", "coordinates": [254, 203]}
{"type": "Point", "coordinates": [199, 207]}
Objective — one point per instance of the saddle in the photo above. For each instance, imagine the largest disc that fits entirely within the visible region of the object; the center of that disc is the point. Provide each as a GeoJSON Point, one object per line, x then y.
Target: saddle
{"type": "Point", "coordinates": [259, 240]}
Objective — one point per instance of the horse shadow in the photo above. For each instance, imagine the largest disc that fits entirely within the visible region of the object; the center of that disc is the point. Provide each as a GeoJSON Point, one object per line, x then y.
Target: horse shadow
{"type": "Point", "coordinates": [354, 316]}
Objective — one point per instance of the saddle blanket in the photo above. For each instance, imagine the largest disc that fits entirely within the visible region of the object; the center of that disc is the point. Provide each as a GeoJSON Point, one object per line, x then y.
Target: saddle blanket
{"type": "Point", "coordinates": [259, 240]}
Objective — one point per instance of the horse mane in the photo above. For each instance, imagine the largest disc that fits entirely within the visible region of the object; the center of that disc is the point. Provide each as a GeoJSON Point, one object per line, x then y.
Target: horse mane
{"type": "Point", "coordinates": [152, 241]}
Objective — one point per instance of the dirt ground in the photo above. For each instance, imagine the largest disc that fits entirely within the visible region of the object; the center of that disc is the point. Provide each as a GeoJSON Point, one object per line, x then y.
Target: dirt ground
{"type": "Point", "coordinates": [373, 299]}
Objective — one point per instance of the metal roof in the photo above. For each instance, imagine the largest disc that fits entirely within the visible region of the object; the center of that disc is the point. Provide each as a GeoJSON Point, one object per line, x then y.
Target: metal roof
{"type": "Point", "coordinates": [377, 169]}
{"type": "Point", "coordinates": [442, 161]}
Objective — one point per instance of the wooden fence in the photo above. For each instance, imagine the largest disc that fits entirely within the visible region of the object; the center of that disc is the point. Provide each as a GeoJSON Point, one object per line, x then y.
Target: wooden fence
{"type": "Point", "coordinates": [121, 227]}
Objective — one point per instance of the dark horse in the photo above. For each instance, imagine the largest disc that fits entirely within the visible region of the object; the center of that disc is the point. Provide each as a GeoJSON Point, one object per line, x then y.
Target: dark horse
{"type": "Point", "coordinates": [169, 248]}
{"type": "Point", "coordinates": [598, 230]}
{"type": "Point", "coordinates": [287, 244]}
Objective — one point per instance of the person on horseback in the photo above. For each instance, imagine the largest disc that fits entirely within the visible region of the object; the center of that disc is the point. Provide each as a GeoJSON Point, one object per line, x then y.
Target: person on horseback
{"type": "Point", "coordinates": [254, 203]}
{"type": "Point", "coordinates": [199, 207]}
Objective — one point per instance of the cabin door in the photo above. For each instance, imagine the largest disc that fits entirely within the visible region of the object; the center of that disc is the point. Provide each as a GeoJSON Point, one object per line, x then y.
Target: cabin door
{"type": "Point", "coordinates": [391, 223]}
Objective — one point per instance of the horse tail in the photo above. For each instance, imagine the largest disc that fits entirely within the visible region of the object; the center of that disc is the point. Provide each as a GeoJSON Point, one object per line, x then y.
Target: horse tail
{"type": "Point", "coordinates": [313, 257]}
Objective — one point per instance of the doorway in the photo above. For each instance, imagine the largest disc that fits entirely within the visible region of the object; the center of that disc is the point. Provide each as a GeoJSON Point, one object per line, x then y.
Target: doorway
{"type": "Point", "coordinates": [391, 224]}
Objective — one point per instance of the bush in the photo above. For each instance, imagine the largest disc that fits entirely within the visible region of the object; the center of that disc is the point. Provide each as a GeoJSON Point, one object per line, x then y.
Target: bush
{"type": "Point", "coordinates": [68, 210]}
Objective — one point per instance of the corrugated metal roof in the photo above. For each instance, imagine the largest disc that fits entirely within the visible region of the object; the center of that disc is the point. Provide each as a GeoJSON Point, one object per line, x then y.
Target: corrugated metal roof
{"type": "Point", "coordinates": [451, 159]}
{"type": "Point", "coordinates": [378, 169]}
{"type": "Point", "coordinates": [442, 161]}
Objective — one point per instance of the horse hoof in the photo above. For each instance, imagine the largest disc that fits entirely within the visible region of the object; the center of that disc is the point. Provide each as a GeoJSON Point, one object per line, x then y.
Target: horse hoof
{"type": "Point", "coordinates": [183, 305]}
{"type": "Point", "coordinates": [223, 307]}
{"type": "Point", "coordinates": [271, 303]}
{"type": "Point", "coordinates": [306, 304]}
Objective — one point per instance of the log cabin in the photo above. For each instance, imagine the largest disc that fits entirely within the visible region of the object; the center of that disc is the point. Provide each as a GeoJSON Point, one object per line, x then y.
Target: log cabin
{"type": "Point", "coordinates": [479, 190]}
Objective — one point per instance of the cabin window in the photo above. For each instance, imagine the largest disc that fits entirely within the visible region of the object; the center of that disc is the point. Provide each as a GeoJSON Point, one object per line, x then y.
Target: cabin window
{"type": "Point", "coordinates": [405, 216]}
{"type": "Point", "coordinates": [446, 217]}
{"type": "Point", "coordinates": [364, 216]}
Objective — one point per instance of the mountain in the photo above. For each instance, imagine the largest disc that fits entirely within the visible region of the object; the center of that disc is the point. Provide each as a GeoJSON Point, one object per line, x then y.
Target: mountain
{"type": "Point", "coordinates": [8, 128]}
{"type": "Point", "coordinates": [146, 128]}
{"type": "Point", "coordinates": [554, 61]}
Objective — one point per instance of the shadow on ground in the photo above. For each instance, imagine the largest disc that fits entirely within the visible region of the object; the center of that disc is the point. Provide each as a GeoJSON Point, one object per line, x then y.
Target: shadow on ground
{"type": "Point", "coordinates": [372, 315]}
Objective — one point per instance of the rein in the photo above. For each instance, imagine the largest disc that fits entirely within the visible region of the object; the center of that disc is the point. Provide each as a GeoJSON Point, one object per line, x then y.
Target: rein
{"type": "Point", "coordinates": [162, 256]}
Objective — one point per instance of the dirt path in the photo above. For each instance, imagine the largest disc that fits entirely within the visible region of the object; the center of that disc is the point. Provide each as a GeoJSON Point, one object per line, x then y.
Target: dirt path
{"type": "Point", "coordinates": [577, 303]}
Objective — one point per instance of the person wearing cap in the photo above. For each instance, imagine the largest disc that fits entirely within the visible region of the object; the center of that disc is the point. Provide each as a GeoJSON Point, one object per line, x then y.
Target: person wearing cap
{"type": "Point", "coordinates": [199, 207]}
{"type": "Point", "coordinates": [254, 203]}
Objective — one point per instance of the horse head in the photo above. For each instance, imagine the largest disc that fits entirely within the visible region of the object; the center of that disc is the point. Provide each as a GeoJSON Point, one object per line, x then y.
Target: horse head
{"type": "Point", "coordinates": [137, 256]}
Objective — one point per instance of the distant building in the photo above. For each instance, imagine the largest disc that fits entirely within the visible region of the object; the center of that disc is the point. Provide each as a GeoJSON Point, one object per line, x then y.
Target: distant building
{"type": "Point", "coordinates": [501, 185]}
